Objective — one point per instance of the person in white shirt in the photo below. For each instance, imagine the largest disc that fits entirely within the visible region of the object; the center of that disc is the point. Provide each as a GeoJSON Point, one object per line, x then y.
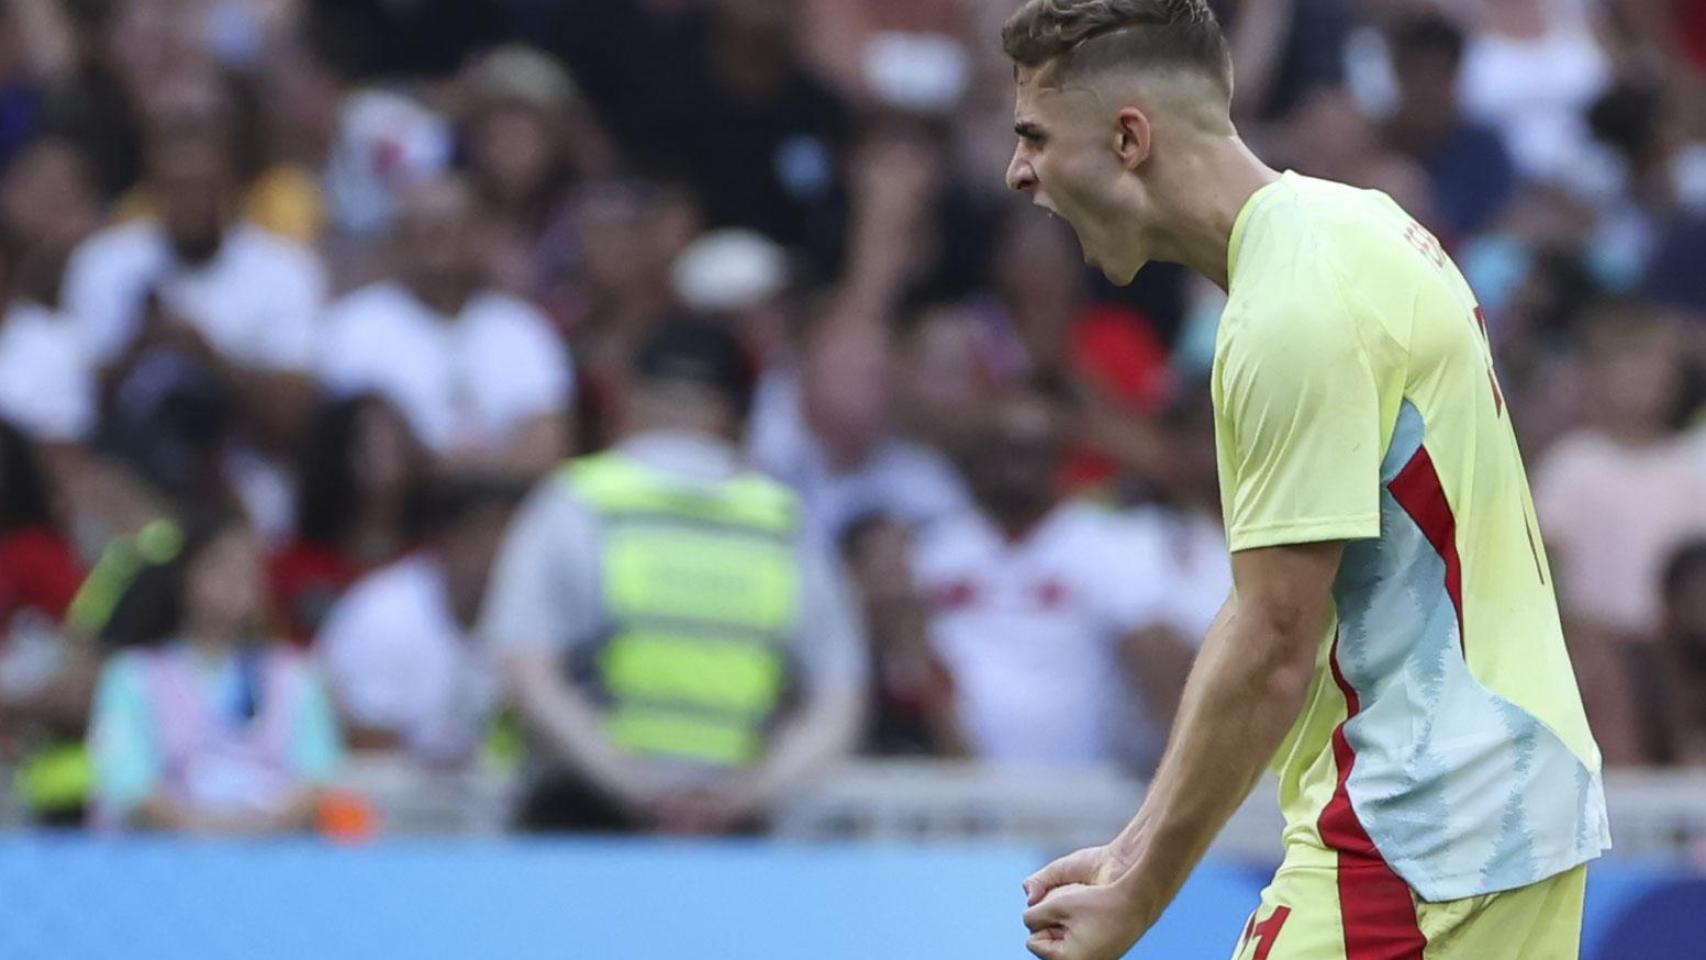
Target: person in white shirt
{"type": "Point", "coordinates": [481, 376]}
{"type": "Point", "coordinates": [825, 430]}
{"type": "Point", "coordinates": [47, 385]}
{"type": "Point", "coordinates": [406, 672]}
{"type": "Point", "coordinates": [237, 300]}
{"type": "Point", "coordinates": [1049, 615]}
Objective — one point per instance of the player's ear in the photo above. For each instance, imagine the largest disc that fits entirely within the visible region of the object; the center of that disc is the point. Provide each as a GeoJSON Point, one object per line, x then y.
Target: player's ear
{"type": "Point", "coordinates": [1132, 137]}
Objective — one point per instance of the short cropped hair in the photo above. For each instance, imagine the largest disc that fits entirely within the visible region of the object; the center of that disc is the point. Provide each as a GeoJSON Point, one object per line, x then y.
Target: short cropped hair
{"type": "Point", "coordinates": [1084, 37]}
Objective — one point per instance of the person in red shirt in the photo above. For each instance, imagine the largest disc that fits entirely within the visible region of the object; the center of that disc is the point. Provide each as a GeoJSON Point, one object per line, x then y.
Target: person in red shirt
{"type": "Point", "coordinates": [37, 569]}
{"type": "Point", "coordinates": [359, 480]}
{"type": "Point", "coordinates": [44, 683]}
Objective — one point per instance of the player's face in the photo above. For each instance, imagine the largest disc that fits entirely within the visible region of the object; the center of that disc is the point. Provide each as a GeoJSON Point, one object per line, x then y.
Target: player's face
{"type": "Point", "coordinates": [1067, 163]}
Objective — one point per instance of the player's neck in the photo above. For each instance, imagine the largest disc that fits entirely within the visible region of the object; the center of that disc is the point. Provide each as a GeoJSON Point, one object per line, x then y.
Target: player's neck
{"type": "Point", "coordinates": [1209, 188]}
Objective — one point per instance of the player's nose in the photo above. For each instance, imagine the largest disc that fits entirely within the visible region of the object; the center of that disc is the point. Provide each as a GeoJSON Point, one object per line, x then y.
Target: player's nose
{"type": "Point", "coordinates": [1020, 175]}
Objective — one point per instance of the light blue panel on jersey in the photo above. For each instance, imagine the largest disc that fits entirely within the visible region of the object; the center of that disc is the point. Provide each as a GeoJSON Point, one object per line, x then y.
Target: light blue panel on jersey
{"type": "Point", "coordinates": [1461, 791]}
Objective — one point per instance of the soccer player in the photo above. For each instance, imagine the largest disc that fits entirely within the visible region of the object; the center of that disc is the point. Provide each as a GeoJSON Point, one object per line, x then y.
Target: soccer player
{"type": "Point", "coordinates": [1392, 643]}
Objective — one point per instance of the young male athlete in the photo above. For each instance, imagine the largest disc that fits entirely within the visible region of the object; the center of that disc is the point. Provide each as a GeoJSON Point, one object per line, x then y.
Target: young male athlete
{"type": "Point", "coordinates": [1392, 643]}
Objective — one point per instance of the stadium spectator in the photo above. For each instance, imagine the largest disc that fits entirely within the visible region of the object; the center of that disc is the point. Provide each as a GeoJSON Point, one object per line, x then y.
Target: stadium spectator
{"type": "Point", "coordinates": [944, 373]}
{"type": "Point", "coordinates": [480, 375]}
{"type": "Point", "coordinates": [39, 576]}
{"type": "Point", "coordinates": [1681, 677]}
{"type": "Point", "coordinates": [200, 288]}
{"type": "Point", "coordinates": [528, 138]}
{"type": "Point", "coordinates": [294, 134]}
{"type": "Point", "coordinates": [199, 98]}
{"type": "Point", "coordinates": [358, 480]}
{"type": "Point", "coordinates": [623, 284]}
{"type": "Point", "coordinates": [826, 431]}
{"type": "Point", "coordinates": [1184, 518]}
{"type": "Point", "coordinates": [47, 384]}
{"type": "Point", "coordinates": [1530, 71]}
{"type": "Point", "coordinates": [88, 98]}
{"type": "Point", "coordinates": [1614, 499]}
{"type": "Point", "coordinates": [912, 697]}
{"type": "Point", "coordinates": [47, 206]}
{"type": "Point", "coordinates": [47, 195]}
{"type": "Point", "coordinates": [405, 670]}
{"type": "Point", "coordinates": [682, 653]}
{"type": "Point", "coordinates": [47, 667]}
{"type": "Point", "coordinates": [215, 729]}
{"type": "Point", "coordinates": [1467, 167]}
{"type": "Point", "coordinates": [1113, 357]}
{"type": "Point", "coordinates": [1035, 601]}
{"type": "Point", "coordinates": [1622, 492]}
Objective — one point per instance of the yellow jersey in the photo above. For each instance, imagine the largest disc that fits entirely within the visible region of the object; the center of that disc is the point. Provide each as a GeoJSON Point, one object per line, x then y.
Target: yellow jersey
{"type": "Point", "coordinates": [1355, 400]}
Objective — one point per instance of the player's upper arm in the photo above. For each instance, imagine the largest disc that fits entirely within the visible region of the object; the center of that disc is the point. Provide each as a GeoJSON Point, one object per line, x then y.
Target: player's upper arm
{"type": "Point", "coordinates": [1283, 602]}
{"type": "Point", "coordinates": [1298, 425]}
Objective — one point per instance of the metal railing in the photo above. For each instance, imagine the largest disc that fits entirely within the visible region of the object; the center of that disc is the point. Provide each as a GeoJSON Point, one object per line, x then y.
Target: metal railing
{"type": "Point", "coordinates": [1653, 812]}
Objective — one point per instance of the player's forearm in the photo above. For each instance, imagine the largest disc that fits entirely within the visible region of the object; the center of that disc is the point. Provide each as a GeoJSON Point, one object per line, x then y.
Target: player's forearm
{"type": "Point", "coordinates": [1247, 688]}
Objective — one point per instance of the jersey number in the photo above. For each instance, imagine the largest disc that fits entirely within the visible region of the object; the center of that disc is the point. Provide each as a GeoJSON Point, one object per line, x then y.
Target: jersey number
{"type": "Point", "coordinates": [1265, 933]}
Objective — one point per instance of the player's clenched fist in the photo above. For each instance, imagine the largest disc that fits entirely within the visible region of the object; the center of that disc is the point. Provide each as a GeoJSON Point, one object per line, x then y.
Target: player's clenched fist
{"type": "Point", "coordinates": [1079, 908]}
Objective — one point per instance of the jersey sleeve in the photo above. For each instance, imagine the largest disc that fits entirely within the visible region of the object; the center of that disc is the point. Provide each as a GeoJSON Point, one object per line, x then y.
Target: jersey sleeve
{"type": "Point", "coordinates": [1297, 426]}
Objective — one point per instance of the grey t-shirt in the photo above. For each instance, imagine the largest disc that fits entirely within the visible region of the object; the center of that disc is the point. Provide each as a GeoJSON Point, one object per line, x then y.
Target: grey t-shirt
{"type": "Point", "coordinates": [547, 589]}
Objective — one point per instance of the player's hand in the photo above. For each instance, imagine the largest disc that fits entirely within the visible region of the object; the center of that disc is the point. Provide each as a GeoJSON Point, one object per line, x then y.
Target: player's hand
{"type": "Point", "coordinates": [1084, 922]}
{"type": "Point", "coordinates": [1095, 866]}
{"type": "Point", "coordinates": [1077, 911]}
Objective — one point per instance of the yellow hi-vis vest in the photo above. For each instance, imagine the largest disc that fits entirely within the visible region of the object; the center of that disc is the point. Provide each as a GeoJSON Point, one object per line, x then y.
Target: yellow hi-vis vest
{"type": "Point", "coordinates": [702, 591]}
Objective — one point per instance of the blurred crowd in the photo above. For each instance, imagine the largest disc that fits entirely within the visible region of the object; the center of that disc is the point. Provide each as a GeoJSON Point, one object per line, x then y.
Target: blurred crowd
{"type": "Point", "coordinates": [306, 304]}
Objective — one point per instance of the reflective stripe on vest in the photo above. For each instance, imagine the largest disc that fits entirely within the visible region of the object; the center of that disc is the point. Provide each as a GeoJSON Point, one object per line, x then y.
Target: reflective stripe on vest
{"type": "Point", "coordinates": [701, 587]}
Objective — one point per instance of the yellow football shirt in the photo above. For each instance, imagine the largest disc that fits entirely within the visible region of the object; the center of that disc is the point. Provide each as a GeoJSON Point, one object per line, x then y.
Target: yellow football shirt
{"type": "Point", "coordinates": [1355, 400]}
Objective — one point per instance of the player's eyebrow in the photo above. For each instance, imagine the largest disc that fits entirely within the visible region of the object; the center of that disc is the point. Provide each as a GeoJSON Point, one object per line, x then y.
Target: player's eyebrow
{"type": "Point", "coordinates": [1029, 130]}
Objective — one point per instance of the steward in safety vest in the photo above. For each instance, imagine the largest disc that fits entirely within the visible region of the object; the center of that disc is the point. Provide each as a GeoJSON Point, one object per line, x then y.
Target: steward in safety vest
{"type": "Point", "coordinates": [680, 654]}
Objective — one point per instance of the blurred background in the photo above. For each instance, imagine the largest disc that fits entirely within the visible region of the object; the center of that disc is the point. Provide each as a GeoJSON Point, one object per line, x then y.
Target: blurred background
{"type": "Point", "coordinates": [302, 297]}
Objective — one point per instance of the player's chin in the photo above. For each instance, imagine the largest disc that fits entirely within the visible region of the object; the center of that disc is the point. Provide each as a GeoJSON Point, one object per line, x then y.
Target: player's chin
{"type": "Point", "coordinates": [1119, 276]}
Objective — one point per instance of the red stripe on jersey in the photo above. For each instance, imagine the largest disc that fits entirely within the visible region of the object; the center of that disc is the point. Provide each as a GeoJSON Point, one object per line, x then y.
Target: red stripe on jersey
{"type": "Point", "coordinates": [1375, 906]}
{"type": "Point", "coordinates": [1417, 489]}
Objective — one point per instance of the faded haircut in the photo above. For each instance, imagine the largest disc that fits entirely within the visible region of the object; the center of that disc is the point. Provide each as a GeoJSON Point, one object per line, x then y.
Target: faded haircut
{"type": "Point", "coordinates": [1077, 39]}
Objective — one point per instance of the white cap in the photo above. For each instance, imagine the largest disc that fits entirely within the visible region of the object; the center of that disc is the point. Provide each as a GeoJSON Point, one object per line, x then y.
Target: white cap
{"type": "Point", "coordinates": [730, 270]}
